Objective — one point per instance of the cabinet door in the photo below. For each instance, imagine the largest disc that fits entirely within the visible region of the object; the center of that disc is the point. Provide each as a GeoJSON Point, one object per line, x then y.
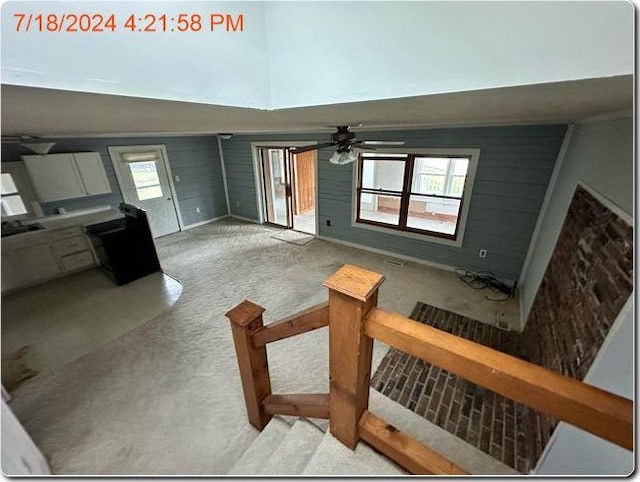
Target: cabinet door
{"type": "Point", "coordinates": [92, 173]}
{"type": "Point", "coordinates": [54, 176]}
{"type": "Point", "coordinates": [35, 264]}
{"type": "Point", "coordinates": [11, 277]}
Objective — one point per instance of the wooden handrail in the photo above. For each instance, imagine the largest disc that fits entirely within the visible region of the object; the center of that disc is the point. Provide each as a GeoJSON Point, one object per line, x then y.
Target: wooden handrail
{"type": "Point", "coordinates": [403, 449]}
{"type": "Point", "coordinates": [354, 321]}
{"type": "Point", "coordinates": [250, 338]}
{"type": "Point", "coordinates": [600, 412]}
{"type": "Point", "coordinates": [314, 405]}
{"type": "Point", "coordinates": [312, 318]}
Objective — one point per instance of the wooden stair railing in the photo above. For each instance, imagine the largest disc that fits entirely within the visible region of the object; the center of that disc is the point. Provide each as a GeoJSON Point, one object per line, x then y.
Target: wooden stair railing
{"type": "Point", "coordinates": [250, 338]}
{"type": "Point", "coordinates": [354, 321]}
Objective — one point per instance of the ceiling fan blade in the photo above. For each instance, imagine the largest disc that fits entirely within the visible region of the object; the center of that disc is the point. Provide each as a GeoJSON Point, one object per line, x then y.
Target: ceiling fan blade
{"type": "Point", "coordinates": [298, 150]}
{"type": "Point", "coordinates": [360, 145]}
{"type": "Point", "coordinates": [384, 143]}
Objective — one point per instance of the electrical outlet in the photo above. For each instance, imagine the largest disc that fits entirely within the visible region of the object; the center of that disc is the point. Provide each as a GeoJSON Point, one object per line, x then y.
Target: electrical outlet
{"type": "Point", "coordinates": [501, 322]}
{"type": "Point", "coordinates": [328, 222]}
{"type": "Point", "coordinates": [197, 210]}
{"type": "Point", "coordinates": [482, 253]}
{"type": "Point", "coordinates": [177, 178]}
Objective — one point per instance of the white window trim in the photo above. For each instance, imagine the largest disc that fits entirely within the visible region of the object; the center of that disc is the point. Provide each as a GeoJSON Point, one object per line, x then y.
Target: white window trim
{"type": "Point", "coordinates": [23, 182]}
{"type": "Point", "coordinates": [474, 155]}
{"type": "Point", "coordinates": [258, 174]}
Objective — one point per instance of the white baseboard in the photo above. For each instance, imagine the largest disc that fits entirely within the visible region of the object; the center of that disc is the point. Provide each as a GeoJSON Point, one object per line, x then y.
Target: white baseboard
{"type": "Point", "coordinates": [206, 221]}
{"type": "Point", "coordinates": [241, 218]}
{"type": "Point", "coordinates": [391, 254]}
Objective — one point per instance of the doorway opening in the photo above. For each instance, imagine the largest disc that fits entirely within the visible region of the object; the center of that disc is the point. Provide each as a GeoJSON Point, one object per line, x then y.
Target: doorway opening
{"type": "Point", "coordinates": [145, 181]}
{"type": "Point", "coordinates": [289, 188]}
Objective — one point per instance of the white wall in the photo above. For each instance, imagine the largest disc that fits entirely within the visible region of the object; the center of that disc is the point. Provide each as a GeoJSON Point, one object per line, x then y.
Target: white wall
{"type": "Point", "coordinates": [600, 154]}
{"type": "Point", "coordinates": [20, 456]}
{"type": "Point", "coordinates": [305, 53]}
{"type": "Point", "coordinates": [572, 451]}
{"type": "Point", "coordinates": [330, 52]}
{"type": "Point", "coordinates": [219, 67]}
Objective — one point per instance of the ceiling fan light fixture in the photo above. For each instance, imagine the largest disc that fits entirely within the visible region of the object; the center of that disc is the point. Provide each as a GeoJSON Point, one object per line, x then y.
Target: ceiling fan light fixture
{"type": "Point", "coordinates": [344, 157]}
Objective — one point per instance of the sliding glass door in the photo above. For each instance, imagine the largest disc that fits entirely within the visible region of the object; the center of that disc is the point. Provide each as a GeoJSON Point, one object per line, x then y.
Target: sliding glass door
{"type": "Point", "coordinates": [276, 178]}
{"type": "Point", "coordinates": [289, 185]}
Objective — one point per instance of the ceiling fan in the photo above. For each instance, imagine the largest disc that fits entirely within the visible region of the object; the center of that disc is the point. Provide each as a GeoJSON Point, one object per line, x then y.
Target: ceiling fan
{"type": "Point", "coordinates": [346, 143]}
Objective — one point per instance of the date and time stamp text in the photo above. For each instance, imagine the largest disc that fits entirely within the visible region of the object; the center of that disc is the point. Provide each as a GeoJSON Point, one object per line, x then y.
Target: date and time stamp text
{"type": "Point", "coordinates": [186, 22]}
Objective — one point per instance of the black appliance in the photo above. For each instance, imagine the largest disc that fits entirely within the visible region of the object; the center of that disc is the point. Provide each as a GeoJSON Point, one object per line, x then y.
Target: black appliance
{"type": "Point", "coordinates": [125, 246]}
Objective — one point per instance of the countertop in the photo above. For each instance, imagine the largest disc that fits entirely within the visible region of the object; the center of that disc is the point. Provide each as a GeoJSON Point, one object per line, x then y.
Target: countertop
{"type": "Point", "coordinates": [75, 218]}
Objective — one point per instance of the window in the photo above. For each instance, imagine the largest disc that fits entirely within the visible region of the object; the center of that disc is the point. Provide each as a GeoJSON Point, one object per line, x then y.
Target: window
{"type": "Point", "coordinates": [16, 191]}
{"type": "Point", "coordinates": [422, 193]}
{"type": "Point", "coordinates": [145, 179]}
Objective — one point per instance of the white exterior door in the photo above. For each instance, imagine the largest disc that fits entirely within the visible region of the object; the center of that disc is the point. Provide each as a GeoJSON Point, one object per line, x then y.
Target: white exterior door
{"type": "Point", "coordinates": [142, 173]}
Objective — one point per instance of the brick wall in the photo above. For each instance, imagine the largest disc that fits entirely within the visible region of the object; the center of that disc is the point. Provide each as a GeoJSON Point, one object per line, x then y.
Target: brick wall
{"type": "Point", "coordinates": [587, 281]}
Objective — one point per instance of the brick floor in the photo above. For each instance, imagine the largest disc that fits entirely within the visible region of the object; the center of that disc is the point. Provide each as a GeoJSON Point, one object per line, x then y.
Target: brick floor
{"type": "Point", "coordinates": [491, 422]}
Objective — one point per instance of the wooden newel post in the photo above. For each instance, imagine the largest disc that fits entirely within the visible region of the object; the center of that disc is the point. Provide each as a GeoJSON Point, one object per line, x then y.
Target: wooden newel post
{"type": "Point", "coordinates": [353, 292]}
{"type": "Point", "coordinates": [245, 319]}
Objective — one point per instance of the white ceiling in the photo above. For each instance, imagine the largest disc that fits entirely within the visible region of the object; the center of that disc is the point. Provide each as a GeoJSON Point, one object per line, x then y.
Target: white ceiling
{"type": "Point", "coordinates": [47, 112]}
{"type": "Point", "coordinates": [297, 54]}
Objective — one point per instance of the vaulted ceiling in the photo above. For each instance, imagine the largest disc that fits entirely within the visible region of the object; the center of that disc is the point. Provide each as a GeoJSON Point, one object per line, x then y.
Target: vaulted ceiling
{"type": "Point", "coordinates": [303, 66]}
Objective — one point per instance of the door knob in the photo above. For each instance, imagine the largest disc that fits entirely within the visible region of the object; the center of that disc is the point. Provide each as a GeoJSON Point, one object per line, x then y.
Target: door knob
{"type": "Point", "coordinates": [168, 199]}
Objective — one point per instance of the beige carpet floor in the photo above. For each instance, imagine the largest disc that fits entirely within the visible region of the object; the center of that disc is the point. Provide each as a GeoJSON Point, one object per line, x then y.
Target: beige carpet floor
{"type": "Point", "coordinates": [165, 398]}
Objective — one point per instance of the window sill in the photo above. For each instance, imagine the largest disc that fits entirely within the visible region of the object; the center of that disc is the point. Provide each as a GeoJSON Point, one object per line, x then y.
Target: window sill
{"type": "Point", "coordinates": [456, 243]}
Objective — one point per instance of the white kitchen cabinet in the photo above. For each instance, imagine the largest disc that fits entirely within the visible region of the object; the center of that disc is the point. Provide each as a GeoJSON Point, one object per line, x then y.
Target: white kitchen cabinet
{"type": "Point", "coordinates": [54, 176]}
{"type": "Point", "coordinates": [10, 274]}
{"type": "Point", "coordinates": [92, 173]}
{"type": "Point", "coordinates": [26, 260]}
{"type": "Point", "coordinates": [65, 176]}
{"type": "Point", "coordinates": [37, 263]}
{"type": "Point", "coordinates": [35, 257]}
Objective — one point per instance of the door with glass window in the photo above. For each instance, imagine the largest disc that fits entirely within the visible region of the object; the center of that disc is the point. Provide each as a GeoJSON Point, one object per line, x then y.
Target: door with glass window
{"type": "Point", "coordinates": [143, 177]}
{"type": "Point", "coordinates": [289, 188]}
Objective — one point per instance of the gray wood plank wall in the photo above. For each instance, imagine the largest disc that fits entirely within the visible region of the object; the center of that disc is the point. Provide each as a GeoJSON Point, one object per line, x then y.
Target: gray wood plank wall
{"type": "Point", "coordinates": [194, 158]}
{"type": "Point", "coordinates": [513, 172]}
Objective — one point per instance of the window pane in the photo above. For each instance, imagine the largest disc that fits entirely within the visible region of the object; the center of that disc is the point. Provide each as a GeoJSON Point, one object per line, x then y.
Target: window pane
{"type": "Point", "coordinates": [380, 208]}
{"type": "Point", "coordinates": [145, 179]}
{"type": "Point", "coordinates": [13, 205]}
{"type": "Point", "coordinates": [144, 173]}
{"type": "Point", "coordinates": [8, 186]}
{"type": "Point", "coordinates": [150, 192]}
{"type": "Point", "coordinates": [457, 186]}
{"type": "Point", "coordinates": [439, 175]}
{"type": "Point", "coordinates": [433, 214]}
{"type": "Point", "coordinates": [430, 183]}
{"type": "Point", "coordinates": [459, 166]}
{"type": "Point", "coordinates": [388, 175]}
{"type": "Point", "coordinates": [430, 175]}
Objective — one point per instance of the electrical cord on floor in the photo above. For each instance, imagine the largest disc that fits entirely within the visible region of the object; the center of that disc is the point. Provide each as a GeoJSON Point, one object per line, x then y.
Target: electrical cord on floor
{"type": "Point", "coordinates": [479, 280]}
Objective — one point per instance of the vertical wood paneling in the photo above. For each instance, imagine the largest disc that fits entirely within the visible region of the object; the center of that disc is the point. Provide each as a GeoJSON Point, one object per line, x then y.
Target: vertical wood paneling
{"type": "Point", "coordinates": [305, 185]}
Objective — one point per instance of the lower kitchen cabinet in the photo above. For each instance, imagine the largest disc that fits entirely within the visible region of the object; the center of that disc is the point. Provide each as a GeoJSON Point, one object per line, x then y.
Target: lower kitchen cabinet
{"type": "Point", "coordinates": [35, 264]}
{"type": "Point", "coordinates": [43, 255]}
